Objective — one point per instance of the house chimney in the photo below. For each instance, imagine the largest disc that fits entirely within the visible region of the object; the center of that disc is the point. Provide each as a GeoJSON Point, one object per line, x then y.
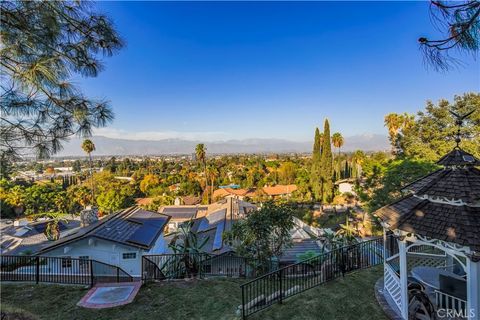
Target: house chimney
{"type": "Point", "coordinates": [88, 216]}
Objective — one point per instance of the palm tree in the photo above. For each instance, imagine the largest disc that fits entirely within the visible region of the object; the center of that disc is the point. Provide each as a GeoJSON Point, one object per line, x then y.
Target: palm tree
{"type": "Point", "coordinates": [212, 173]}
{"type": "Point", "coordinates": [393, 122]}
{"type": "Point", "coordinates": [201, 156]}
{"type": "Point", "coordinates": [357, 160]}
{"type": "Point", "coordinates": [338, 141]}
{"type": "Point", "coordinates": [89, 147]}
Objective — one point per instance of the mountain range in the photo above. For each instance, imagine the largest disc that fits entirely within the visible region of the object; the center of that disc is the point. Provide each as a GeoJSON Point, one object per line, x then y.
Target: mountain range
{"type": "Point", "coordinates": [121, 147]}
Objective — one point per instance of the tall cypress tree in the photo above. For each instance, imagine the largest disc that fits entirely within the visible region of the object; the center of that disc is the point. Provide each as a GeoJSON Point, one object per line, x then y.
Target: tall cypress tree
{"type": "Point", "coordinates": [326, 164]}
{"type": "Point", "coordinates": [315, 178]}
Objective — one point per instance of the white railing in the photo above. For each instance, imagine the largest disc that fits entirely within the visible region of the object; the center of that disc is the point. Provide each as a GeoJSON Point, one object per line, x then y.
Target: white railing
{"type": "Point", "coordinates": [392, 285]}
{"type": "Point", "coordinates": [453, 306]}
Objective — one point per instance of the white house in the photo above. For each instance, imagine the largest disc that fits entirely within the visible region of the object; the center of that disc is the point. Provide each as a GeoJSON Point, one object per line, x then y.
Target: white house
{"type": "Point", "coordinates": [120, 239]}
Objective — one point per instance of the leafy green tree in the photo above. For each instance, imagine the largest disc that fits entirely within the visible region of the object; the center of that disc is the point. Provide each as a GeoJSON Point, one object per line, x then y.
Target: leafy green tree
{"type": "Point", "coordinates": [77, 167]}
{"type": "Point", "coordinates": [315, 175]}
{"type": "Point", "coordinates": [44, 43]}
{"type": "Point", "coordinates": [111, 165]}
{"type": "Point", "coordinates": [387, 178]}
{"type": "Point", "coordinates": [433, 132]}
{"type": "Point", "coordinates": [5, 166]}
{"type": "Point", "coordinates": [149, 182]}
{"type": "Point", "coordinates": [395, 124]}
{"type": "Point", "coordinates": [115, 199]}
{"type": "Point", "coordinates": [44, 198]}
{"type": "Point", "coordinates": [287, 172]}
{"type": "Point", "coordinates": [263, 234]}
{"type": "Point", "coordinates": [79, 197]}
{"type": "Point", "coordinates": [326, 165]}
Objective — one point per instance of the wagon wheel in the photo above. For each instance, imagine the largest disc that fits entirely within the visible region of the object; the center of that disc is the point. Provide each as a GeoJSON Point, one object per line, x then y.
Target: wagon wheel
{"type": "Point", "coordinates": [419, 306]}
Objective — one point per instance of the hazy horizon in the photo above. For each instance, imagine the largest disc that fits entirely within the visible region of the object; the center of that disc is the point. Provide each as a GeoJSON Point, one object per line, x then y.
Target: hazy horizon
{"type": "Point", "coordinates": [106, 146]}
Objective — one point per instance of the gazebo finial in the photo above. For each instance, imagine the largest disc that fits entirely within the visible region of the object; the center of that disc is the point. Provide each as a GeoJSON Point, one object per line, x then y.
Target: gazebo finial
{"type": "Point", "coordinates": [459, 122]}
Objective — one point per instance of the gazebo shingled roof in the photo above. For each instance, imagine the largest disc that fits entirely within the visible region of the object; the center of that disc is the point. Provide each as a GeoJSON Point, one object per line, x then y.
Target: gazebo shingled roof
{"type": "Point", "coordinates": [443, 205]}
{"type": "Point", "coordinates": [458, 157]}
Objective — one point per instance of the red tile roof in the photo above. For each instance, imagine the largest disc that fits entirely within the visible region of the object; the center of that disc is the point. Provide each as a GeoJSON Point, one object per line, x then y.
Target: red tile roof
{"type": "Point", "coordinates": [280, 189]}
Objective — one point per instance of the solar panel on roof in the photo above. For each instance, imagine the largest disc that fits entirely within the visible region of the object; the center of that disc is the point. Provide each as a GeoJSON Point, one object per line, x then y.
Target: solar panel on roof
{"type": "Point", "coordinates": [218, 241]}
{"type": "Point", "coordinates": [181, 213]}
{"type": "Point", "coordinates": [468, 158]}
{"type": "Point", "coordinates": [148, 218]}
{"type": "Point", "coordinates": [204, 225]}
{"type": "Point", "coordinates": [144, 236]}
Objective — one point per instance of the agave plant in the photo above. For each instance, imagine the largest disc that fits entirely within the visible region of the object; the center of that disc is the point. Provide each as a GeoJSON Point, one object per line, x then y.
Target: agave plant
{"type": "Point", "coordinates": [188, 251]}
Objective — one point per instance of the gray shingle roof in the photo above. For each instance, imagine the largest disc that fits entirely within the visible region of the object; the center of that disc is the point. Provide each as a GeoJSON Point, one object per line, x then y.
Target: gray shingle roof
{"type": "Point", "coordinates": [457, 224]}
{"type": "Point", "coordinates": [298, 247]}
{"type": "Point", "coordinates": [34, 239]}
{"type": "Point", "coordinates": [458, 157]}
{"type": "Point", "coordinates": [450, 183]}
{"type": "Point", "coordinates": [445, 204]}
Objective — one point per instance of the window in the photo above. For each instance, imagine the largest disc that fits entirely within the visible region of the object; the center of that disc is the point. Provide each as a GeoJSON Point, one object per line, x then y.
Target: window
{"type": "Point", "coordinates": [66, 262]}
{"type": "Point", "coordinates": [129, 255]}
{"type": "Point", "coordinates": [83, 261]}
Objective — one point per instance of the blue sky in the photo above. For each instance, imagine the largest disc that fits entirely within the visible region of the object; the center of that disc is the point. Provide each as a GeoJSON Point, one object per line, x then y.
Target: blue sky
{"type": "Point", "coordinates": [235, 70]}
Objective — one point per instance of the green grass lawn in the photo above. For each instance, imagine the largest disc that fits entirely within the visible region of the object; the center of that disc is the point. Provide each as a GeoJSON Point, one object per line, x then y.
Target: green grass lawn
{"type": "Point", "coordinates": [348, 298]}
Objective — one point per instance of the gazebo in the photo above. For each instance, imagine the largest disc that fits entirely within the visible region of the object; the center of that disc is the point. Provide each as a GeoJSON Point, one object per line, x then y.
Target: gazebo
{"type": "Point", "coordinates": [432, 243]}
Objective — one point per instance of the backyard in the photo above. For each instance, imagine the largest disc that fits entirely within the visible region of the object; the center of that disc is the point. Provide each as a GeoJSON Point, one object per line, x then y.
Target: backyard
{"type": "Point", "coordinates": [347, 298]}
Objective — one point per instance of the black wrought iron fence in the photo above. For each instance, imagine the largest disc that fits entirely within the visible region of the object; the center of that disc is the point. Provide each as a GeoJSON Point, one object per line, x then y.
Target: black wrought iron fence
{"type": "Point", "coordinates": [274, 287]}
{"type": "Point", "coordinates": [64, 270]}
{"type": "Point", "coordinates": [179, 266]}
{"type": "Point", "coordinates": [107, 273]}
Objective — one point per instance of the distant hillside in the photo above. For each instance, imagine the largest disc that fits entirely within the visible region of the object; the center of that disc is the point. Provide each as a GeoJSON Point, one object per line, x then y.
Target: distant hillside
{"type": "Point", "coordinates": [109, 146]}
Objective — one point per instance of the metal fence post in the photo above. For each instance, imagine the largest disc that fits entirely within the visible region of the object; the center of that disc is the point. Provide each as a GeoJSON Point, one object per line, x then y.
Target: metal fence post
{"type": "Point", "coordinates": [243, 303]}
{"type": "Point", "coordinates": [118, 275]}
{"type": "Point", "coordinates": [280, 276]}
{"type": "Point", "coordinates": [91, 273]}
{"type": "Point", "coordinates": [142, 275]}
{"type": "Point", "coordinates": [37, 270]}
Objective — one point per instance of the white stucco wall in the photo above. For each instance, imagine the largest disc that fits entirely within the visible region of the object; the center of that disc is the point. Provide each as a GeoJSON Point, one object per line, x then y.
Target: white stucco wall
{"type": "Point", "coordinates": [346, 187]}
{"type": "Point", "coordinates": [159, 247]}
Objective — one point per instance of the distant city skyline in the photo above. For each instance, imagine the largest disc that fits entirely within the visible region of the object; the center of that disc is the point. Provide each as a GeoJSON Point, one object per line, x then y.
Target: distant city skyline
{"type": "Point", "coordinates": [237, 70]}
